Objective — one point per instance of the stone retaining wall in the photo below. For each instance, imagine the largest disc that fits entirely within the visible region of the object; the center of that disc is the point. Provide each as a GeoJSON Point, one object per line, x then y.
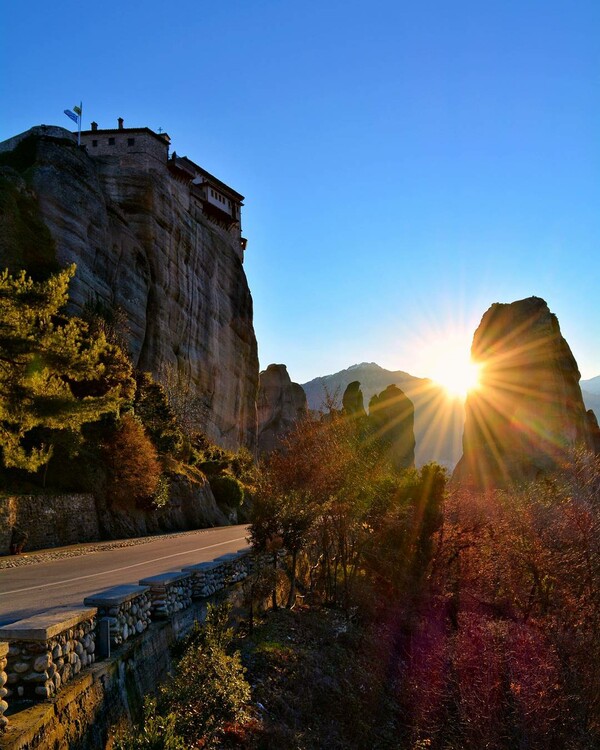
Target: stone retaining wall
{"type": "Point", "coordinates": [46, 651]}
{"type": "Point", "coordinates": [125, 609]}
{"type": "Point", "coordinates": [50, 649]}
{"type": "Point", "coordinates": [48, 520]}
{"type": "Point", "coordinates": [210, 577]}
{"type": "Point", "coordinates": [3, 679]}
{"type": "Point", "coordinates": [169, 592]}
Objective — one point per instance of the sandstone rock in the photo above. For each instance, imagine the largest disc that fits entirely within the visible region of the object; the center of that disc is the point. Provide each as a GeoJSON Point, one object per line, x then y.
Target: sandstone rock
{"type": "Point", "coordinates": [191, 505]}
{"type": "Point", "coordinates": [281, 404]}
{"type": "Point", "coordinates": [353, 401]}
{"type": "Point", "coordinates": [593, 431]}
{"type": "Point", "coordinates": [144, 247]}
{"type": "Point", "coordinates": [431, 405]}
{"type": "Point", "coordinates": [392, 418]}
{"type": "Point", "coordinates": [528, 412]}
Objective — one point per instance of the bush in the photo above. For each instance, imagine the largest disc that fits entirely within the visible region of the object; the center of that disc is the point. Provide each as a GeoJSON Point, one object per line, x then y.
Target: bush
{"type": "Point", "coordinates": [209, 689]}
{"type": "Point", "coordinates": [228, 491]}
{"type": "Point", "coordinates": [153, 408]}
{"type": "Point", "coordinates": [132, 462]}
{"type": "Point", "coordinates": [157, 733]}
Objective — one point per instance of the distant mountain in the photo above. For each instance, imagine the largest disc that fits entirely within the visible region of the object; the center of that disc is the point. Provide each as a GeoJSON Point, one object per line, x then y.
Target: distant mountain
{"type": "Point", "coordinates": [591, 386]}
{"type": "Point", "coordinates": [438, 420]}
{"type": "Point", "coordinates": [591, 400]}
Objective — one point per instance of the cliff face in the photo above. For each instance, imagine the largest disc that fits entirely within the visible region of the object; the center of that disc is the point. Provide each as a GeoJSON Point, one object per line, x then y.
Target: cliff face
{"type": "Point", "coordinates": [281, 404]}
{"type": "Point", "coordinates": [143, 246]}
{"type": "Point", "coordinates": [528, 411]}
{"type": "Point", "coordinates": [392, 419]}
{"type": "Point", "coordinates": [353, 403]}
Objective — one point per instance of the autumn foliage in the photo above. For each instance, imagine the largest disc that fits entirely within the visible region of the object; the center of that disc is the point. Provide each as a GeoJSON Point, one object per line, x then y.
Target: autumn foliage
{"type": "Point", "coordinates": [133, 466]}
{"type": "Point", "coordinates": [506, 646]}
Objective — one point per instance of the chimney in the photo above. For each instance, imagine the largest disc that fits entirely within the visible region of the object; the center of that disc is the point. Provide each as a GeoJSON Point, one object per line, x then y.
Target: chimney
{"type": "Point", "coordinates": [120, 121]}
{"type": "Point", "coordinates": [94, 126]}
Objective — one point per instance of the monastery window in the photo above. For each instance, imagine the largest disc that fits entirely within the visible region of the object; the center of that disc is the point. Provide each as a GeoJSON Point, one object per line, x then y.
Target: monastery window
{"type": "Point", "coordinates": [94, 144]}
{"type": "Point", "coordinates": [111, 141]}
{"type": "Point", "coordinates": [131, 141]}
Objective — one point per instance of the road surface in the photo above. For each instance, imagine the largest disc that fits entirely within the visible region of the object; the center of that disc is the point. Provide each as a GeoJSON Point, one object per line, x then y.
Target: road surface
{"type": "Point", "coordinates": [29, 589]}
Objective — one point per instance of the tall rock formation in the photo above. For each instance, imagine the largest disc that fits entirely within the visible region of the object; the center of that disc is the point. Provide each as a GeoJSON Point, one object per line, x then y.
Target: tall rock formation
{"type": "Point", "coordinates": [527, 412]}
{"type": "Point", "coordinates": [146, 243]}
{"type": "Point", "coordinates": [438, 420]}
{"type": "Point", "coordinates": [392, 419]}
{"type": "Point", "coordinates": [281, 404]}
{"type": "Point", "coordinates": [353, 400]}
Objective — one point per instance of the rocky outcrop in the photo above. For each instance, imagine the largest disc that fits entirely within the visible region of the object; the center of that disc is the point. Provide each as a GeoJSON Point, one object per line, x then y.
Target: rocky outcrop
{"type": "Point", "coordinates": [528, 412]}
{"type": "Point", "coordinates": [191, 505]}
{"type": "Point", "coordinates": [281, 404]}
{"type": "Point", "coordinates": [594, 431]}
{"type": "Point", "coordinates": [145, 248]}
{"type": "Point", "coordinates": [392, 419]}
{"type": "Point", "coordinates": [353, 401]}
{"type": "Point", "coordinates": [430, 401]}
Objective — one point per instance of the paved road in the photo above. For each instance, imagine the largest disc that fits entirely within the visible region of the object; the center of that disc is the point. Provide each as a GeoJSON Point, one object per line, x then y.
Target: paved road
{"type": "Point", "coordinates": [29, 589]}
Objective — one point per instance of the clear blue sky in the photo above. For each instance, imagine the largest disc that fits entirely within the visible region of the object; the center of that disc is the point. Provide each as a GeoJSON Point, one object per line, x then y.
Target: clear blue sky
{"type": "Point", "coordinates": [405, 164]}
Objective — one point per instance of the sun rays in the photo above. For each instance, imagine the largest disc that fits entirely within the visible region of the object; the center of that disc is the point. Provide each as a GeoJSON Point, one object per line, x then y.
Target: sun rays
{"type": "Point", "coordinates": [448, 363]}
{"type": "Point", "coordinates": [527, 412]}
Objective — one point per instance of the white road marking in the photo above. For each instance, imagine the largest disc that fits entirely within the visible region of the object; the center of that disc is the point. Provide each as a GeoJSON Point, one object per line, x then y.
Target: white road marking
{"type": "Point", "coordinates": [117, 570]}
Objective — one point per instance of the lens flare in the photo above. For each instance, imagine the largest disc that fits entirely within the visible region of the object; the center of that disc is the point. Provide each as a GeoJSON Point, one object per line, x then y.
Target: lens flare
{"type": "Point", "coordinates": [450, 366]}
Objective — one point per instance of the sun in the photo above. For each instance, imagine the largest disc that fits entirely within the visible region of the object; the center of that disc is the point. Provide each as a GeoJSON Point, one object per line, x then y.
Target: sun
{"type": "Point", "coordinates": [458, 378]}
{"type": "Point", "coordinates": [450, 365]}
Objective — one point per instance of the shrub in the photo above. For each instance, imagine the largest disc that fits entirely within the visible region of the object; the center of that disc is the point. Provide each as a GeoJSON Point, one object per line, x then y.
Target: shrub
{"type": "Point", "coordinates": [209, 689]}
{"type": "Point", "coordinates": [157, 733]}
{"type": "Point", "coordinates": [228, 491]}
{"type": "Point", "coordinates": [153, 408]}
{"type": "Point", "coordinates": [132, 462]}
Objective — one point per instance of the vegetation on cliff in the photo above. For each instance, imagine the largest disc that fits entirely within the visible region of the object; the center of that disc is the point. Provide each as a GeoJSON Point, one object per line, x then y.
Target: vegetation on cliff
{"type": "Point", "coordinates": [54, 376]}
{"type": "Point", "coordinates": [74, 415]}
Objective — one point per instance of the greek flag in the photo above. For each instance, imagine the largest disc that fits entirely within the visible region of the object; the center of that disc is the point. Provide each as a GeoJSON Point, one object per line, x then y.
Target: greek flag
{"type": "Point", "coordinates": [72, 115]}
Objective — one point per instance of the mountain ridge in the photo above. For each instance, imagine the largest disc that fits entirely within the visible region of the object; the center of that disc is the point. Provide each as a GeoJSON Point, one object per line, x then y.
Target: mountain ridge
{"type": "Point", "coordinates": [430, 401]}
{"type": "Point", "coordinates": [438, 419]}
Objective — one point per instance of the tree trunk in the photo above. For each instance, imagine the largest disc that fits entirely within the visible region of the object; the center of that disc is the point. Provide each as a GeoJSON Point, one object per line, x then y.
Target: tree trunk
{"type": "Point", "coordinates": [292, 595]}
{"type": "Point", "coordinates": [274, 592]}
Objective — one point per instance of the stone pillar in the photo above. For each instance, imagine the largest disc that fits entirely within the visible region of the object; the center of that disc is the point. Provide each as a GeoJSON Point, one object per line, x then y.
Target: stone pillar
{"type": "Point", "coordinates": [3, 678]}
{"type": "Point", "coordinates": [47, 650]}
{"type": "Point", "coordinates": [210, 577]}
{"type": "Point", "coordinates": [170, 592]}
{"type": "Point", "coordinates": [127, 609]}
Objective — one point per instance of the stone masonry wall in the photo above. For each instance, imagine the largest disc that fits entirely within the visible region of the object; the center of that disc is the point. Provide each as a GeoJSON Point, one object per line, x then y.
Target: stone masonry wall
{"type": "Point", "coordinates": [74, 645]}
{"type": "Point", "coordinates": [39, 668]}
{"type": "Point", "coordinates": [48, 521]}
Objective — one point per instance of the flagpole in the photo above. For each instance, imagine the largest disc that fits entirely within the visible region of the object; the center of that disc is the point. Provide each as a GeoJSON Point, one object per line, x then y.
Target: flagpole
{"type": "Point", "coordinates": [80, 118]}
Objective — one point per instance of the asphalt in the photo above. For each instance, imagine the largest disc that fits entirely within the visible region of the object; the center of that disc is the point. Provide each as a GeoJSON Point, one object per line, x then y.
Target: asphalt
{"type": "Point", "coordinates": [44, 584]}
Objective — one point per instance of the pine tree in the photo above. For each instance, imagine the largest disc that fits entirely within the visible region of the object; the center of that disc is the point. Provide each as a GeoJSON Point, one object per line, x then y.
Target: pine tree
{"type": "Point", "coordinates": [54, 375]}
